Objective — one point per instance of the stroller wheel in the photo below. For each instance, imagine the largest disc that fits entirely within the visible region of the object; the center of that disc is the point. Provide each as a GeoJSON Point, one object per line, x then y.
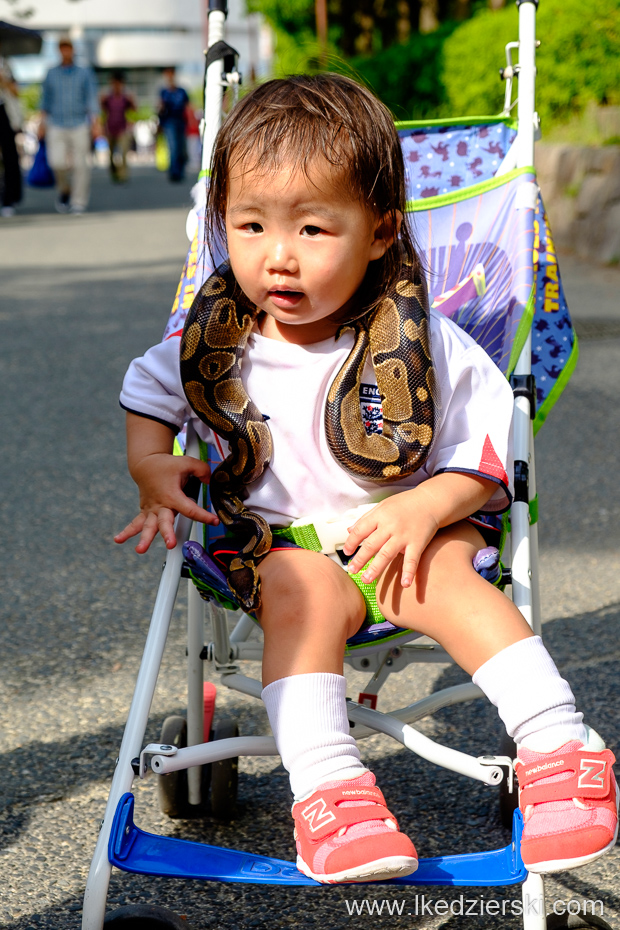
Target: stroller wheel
{"type": "Point", "coordinates": [575, 921]}
{"type": "Point", "coordinates": [224, 775]}
{"type": "Point", "coordinates": [508, 801]}
{"type": "Point", "coordinates": [172, 790]}
{"type": "Point", "coordinates": [145, 917]}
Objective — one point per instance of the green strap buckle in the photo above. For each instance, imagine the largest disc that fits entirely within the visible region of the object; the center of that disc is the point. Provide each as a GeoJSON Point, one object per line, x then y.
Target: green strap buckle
{"type": "Point", "coordinates": [304, 536]}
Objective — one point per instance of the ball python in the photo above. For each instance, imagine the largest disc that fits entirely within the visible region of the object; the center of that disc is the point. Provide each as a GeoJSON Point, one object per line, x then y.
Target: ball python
{"type": "Point", "coordinates": [397, 335]}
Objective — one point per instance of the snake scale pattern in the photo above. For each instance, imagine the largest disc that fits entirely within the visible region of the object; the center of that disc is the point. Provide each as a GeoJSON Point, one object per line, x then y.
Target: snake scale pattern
{"type": "Point", "coordinates": [396, 333]}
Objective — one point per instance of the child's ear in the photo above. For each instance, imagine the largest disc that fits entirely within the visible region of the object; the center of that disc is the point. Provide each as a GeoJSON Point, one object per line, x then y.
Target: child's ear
{"type": "Point", "coordinates": [386, 231]}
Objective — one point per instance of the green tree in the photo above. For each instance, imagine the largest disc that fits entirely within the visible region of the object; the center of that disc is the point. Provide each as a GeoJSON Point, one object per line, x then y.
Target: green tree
{"type": "Point", "coordinates": [362, 27]}
{"type": "Point", "coordinates": [578, 60]}
{"type": "Point", "coordinates": [407, 76]}
{"type": "Point", "coordinates": [378, 41]}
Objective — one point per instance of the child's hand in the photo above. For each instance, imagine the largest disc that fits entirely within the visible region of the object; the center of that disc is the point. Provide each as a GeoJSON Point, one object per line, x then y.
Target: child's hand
{"type": "Point", "coordinates": [408, 521]}
{"type": "Point", "coordinates": [401, 524]}
{"type": "Point", "coordinates": [161, 478]}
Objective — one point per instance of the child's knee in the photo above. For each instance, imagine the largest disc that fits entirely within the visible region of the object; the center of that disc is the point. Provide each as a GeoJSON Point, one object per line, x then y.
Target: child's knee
{"type": "Point", "coordinates": [304, 585]}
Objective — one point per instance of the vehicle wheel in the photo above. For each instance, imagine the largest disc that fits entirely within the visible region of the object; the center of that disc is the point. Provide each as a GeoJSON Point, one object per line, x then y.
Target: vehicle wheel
{"type": "Point", "coordinates": [172, 788]}
{"type": "Point", "coordinates": [508, 802]}
{"type": "Point", "coordinates": [224, 775]}
{"type": "Point", "coordinates": [576, 921]}
{"type": "Point", "coordinates": [145, 917]}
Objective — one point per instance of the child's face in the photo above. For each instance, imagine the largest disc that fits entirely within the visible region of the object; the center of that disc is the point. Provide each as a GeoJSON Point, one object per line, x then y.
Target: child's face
{"type": "Point", "coordinates": [299, 249]}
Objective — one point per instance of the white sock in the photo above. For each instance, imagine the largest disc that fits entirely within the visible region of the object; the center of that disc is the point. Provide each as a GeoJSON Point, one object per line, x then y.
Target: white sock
{"type": "Point", "coordinates": [308, 717]}
{"type": "Point", "coordinates": [535, 703]}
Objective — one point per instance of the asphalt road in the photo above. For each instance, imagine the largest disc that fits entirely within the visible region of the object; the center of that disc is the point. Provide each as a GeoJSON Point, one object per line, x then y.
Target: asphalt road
{"type": "Point", "coordinates": [80, 297]}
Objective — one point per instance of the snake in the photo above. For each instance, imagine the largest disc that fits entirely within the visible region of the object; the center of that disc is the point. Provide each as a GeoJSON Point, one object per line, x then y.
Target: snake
{"type": "Point", "coordinates": [395, 332]}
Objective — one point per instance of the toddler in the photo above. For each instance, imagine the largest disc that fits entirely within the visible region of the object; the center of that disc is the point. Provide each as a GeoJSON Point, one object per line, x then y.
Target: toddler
{"type": "Point", "coordinates": [307, 192]}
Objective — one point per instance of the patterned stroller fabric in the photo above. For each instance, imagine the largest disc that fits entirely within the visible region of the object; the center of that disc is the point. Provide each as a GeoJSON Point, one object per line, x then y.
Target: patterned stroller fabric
{"type": "Point", "coordinates": [440, 159]}
{"type": "Point", "coordinates": [554, 343]}
{"type": "Point", "coordinates": [489, 250]}
{"type": "Point", "coordinates": [487, 246]}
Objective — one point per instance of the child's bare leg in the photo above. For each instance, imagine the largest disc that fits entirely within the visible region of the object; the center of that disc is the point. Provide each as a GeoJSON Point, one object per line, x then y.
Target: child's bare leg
{"type": "Point", "coordinates": [569, 820]}
{"type": "Point", "coordinates": [450, 602]}
{"type": "Point", "coordinates": [485, 633]}
{"type": "Point", "coordinates": [309, 609]}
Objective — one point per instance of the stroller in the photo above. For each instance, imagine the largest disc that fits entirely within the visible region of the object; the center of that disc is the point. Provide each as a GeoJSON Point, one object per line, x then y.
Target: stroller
{"type": "Point", "coordinates": [481, 226]}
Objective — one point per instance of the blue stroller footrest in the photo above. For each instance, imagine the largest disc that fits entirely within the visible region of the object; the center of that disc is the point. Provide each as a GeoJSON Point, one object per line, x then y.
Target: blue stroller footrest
{"type": "Point", "coordinates": [133, 850]}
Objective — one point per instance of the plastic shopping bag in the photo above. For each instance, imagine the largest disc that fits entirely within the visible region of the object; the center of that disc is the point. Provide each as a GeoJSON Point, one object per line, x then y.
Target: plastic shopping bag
{"type": "Point", "coordinates": [41, 175]}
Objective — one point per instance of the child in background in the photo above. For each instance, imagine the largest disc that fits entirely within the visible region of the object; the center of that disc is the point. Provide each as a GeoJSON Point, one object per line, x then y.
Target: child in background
{"type": "Point", "coordinates": [115, 106]}
{"type": "Point", "coordinates": [307, 187]}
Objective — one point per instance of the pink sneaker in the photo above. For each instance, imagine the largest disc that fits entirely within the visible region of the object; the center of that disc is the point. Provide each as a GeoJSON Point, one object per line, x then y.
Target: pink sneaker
{"type": "Point", "coordinates": [569, 801]}
{"type": "Point", "coordinates": [345, 833]}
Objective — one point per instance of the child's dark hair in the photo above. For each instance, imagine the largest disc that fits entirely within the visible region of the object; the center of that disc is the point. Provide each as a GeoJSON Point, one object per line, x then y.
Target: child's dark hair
{"type": "Point", "coordinates": [289, 122]}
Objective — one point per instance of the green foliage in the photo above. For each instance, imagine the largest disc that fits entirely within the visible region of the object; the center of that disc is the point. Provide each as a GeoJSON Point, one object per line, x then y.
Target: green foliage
{"type": "Point", "coordinates": [407, 77]}
{"type": "Point", "coordinates": [404, 74]}
{"type": "Point", "coordinates": [454, 70]}
{"type": "Point", "coordinates": [292, 17]}
{"type": "Point", "coordinates": [302, 54]}
{"type": "Point", "coordinates": [356, 27]}
{"type": "Point", "coordinates": [296, 48]}
{"type": "Point", "coordinates": [578, 60]}
{"type": "Point", "coordinates": [30, 98]}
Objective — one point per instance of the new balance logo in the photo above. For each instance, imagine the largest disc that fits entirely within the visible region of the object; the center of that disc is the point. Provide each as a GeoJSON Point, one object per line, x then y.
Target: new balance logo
{"type": "Point", "coordinates": [535, 769]}
{"type": "Point", "coordinates": [592, 773]}
{"type": "Point", "coordinates": [317, 815]}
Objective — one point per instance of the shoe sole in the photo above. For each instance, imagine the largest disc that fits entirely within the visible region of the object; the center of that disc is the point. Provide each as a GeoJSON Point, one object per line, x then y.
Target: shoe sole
{"type": "Point", "coordinates": [562, 865]}
{"type": "Point", "coordinates": [565, 865]}
{"type": "Point", "coordinates": [379, 870]}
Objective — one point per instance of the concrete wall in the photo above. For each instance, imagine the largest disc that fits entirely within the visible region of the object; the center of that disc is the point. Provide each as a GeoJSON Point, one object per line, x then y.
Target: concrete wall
{"type": "Point", "coordinates": [581, 191]}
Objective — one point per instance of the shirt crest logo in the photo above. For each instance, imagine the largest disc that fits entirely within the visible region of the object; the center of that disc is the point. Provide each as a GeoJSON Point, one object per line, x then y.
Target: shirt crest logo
{"type": "Point", "coordinates": [372, 412]}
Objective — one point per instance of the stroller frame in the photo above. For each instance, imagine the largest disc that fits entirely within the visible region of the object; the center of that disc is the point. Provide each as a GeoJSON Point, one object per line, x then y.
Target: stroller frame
{"type": "Point", "coordinates": [122, 844]}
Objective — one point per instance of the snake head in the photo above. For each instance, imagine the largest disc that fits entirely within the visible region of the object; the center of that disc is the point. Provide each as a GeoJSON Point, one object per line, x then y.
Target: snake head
{"type": "Point", "coordinates": [244, 582]}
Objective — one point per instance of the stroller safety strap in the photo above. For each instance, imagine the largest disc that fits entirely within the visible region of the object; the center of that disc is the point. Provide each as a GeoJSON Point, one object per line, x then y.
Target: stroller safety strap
{"type": "Point", "coordinates": [321, 534]}
{"type": "Point", "coordinates": [589, 776]}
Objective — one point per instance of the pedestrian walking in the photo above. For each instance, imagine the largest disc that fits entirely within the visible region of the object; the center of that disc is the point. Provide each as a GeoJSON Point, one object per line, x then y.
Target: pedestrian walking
{"type": "Point", "coordinates": [11, 118]}
{"type": "Point", "coordinates": [173, 102]}
{"type": "Point", "coordinates": [115, 106]}
{"type": "Point", "coordinates": [69, 117]}
{"type": "Point", "coordinates": [194, 146]}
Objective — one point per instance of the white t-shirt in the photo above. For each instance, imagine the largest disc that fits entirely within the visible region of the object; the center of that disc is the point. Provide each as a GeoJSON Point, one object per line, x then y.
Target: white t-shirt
{"type": "Point", "coordinates": [289, 385]}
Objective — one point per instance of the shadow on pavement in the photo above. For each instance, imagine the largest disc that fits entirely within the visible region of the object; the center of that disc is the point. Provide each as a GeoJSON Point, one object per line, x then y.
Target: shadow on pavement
{"type": "Point", "coordinates": [444, 813]}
